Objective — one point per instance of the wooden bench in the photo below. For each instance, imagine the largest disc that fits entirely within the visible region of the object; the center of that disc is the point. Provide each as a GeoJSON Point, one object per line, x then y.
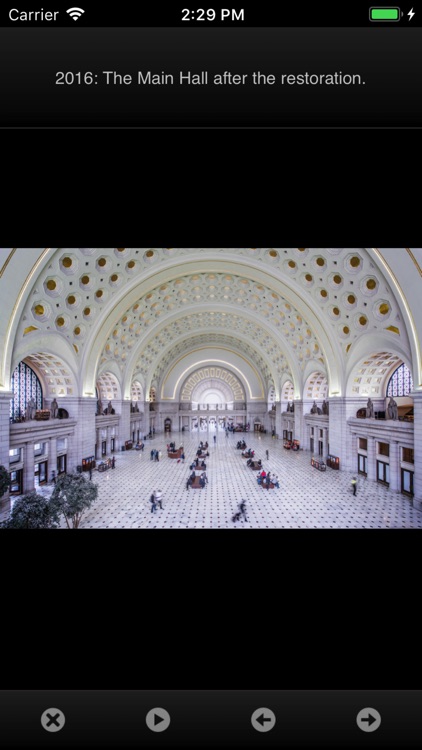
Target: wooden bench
{"type": "Point", "coordinates": [266, 487]}
{"type": "Point", "coordinates": [195, 485]}
{"type": "Point", "coordinates": [255, 466]}
{"type": "Point", "coordinates": [176, 454]}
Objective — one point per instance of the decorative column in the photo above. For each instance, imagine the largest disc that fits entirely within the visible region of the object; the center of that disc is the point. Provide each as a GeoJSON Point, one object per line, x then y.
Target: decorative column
{"type": "Point", "coordinates": [394, 466]}
{"type": "Point", "coordinates": [299, 432]}
{"type": "Point", "coordinates": [372, 467]}
{"type": "Point", "coordinates": [338, 432]}
{"type": "Point", "coordinates": [83, 409]}
{"type": "Point", "coordinates": [28, 468]}
{"type": "Point", "coordinates": [417, 479]}
{"type": "Point", "coordinates": [108, 440]}
{"type": "Point", "coordinates": [52, 457]}
{"type": "Point", "coordinates": [125, 432]}
{"type": "Point", "coordinates": [324, 443]}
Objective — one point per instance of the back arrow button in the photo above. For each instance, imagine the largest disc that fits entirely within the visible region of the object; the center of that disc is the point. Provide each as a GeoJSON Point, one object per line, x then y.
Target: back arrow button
{"type": "Point", "coordinates": [263, 719]}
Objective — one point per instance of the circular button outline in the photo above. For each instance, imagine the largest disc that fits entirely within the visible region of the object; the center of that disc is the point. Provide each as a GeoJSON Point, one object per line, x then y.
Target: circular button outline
{"type": "Point", "coordinates": [263, 727]}
{"type": "Point", "coordinates": [44, 718]}
{"type": "Point", "coordinates": [163, 725]}
{"type": "Point", "coordinates": [363, 714]}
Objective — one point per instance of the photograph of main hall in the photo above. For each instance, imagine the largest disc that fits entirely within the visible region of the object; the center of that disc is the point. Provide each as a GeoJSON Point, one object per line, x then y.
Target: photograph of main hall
{"type": "Point", "coordinates": [210, 388]}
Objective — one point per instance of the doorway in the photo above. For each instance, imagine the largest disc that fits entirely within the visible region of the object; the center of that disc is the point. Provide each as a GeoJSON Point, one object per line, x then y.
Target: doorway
{"type": "Point", "coordinates": [40, 473]}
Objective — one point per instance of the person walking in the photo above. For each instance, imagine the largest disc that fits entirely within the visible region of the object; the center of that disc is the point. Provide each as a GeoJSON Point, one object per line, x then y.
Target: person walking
{"type": "Point", "coordinates": [153, 503]}
{"type": "Point", "coordinates": [242, 509]}
{"type": "Point", "coordinates": [158, 498]}
{"type": "Point", "coordinates": [354, 483]}
{"type": "Point", "coordinates": [159, 455]}
{"type": "Point", "coordinates": [53, 477]}
{"type": "Point", "coordinates": [152, 454]}
{"type": "Point", "coordinates": [267, 454]}
{"type": "Point", "coordinates": [215, 439]}
{"type": "Point", "coordinates": [183, 458]}
{"type": "Point", "coordinates": [90, 471]}
{"type": "Point", "coordinates": [113, 462]}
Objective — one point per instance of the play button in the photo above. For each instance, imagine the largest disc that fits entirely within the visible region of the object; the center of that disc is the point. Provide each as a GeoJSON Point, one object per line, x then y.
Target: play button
{"type": "Point", "coordinates": [368, 719]}
{"type": "Point", "coordinates": [158, 719]}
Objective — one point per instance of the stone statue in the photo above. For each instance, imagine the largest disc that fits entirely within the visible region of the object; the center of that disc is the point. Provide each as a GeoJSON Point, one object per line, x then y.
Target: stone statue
{"type": "Point", "coordinates": [370, 409]}
{"type": "Point", "coordinates": [99, 408]}
{"type": "Point", "coordinates": [392, 409]}
{"type": "Point", "coordinates": [325, 407]}
{"type": "Point", "coordinates": [291, 407]}
{"type": "Point", "coordinates": [54, 409]}
{"type": "Point", "coordinates": [110, 409]}
{"type": "Point", "coordinates": [314, 409]}
{"type": "Point", "coordinates": [31, 408]}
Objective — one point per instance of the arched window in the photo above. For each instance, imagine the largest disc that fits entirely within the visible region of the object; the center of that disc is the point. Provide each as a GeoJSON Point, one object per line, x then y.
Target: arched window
{"type": "Point", "coordinates": [25, 385]}
{"type": "Point", "coordinates": [400, 383]}
{"type": "Point", "coordinates": [152, 394]}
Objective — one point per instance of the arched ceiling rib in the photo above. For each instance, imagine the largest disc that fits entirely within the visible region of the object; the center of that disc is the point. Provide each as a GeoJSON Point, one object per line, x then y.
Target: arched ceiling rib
{"type": "Point", "coordinates": [167, 358]}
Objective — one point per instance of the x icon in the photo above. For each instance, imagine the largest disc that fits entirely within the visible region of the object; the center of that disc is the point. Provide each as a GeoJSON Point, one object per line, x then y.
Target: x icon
{"type": "Point", "coordinates": [53, 720]}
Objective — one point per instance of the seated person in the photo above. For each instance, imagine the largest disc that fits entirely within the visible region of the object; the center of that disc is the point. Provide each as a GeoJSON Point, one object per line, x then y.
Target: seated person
{"type": "Point", "coordinates": [248, 462]}
{"type": "Point", "coordinates": [203, 465]}
{"type": "Point", "coordinates": [201, 482]}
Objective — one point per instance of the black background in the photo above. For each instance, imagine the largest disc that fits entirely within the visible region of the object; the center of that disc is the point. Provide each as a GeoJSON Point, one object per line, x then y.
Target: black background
{"type": "Point", "coordinates": [194, 609]}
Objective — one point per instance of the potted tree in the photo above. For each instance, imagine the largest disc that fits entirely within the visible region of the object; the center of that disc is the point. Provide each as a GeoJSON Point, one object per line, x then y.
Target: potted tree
{"type": "Point", "coordinates": [72, 496]}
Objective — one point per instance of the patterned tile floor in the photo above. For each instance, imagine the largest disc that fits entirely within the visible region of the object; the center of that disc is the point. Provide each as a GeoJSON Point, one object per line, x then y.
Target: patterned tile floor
{"type": "Point", "coordinates": [307, 498]}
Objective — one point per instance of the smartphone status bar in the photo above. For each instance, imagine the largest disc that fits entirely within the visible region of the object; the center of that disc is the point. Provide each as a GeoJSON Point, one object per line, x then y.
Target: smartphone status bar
{"type": "Point", "coordinates": [205, 15]}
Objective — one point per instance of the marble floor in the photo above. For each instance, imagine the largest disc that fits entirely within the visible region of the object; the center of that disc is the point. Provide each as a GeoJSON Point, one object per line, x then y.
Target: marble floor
{"type": "Point", "coordinates": [307, 498]}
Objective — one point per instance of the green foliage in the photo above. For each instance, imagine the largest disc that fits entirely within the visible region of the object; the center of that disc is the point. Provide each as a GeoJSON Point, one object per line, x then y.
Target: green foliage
{"type": "Point", "coordinates": [72, 496]}
{"type": "Point", "coordinates": [4, 480]}
{"type": "Point", "coordinates": [31, 512]}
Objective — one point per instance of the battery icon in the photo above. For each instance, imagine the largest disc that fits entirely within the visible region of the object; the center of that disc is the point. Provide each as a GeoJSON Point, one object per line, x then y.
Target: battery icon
{"type": "Point", "coordinates": [384, 14]}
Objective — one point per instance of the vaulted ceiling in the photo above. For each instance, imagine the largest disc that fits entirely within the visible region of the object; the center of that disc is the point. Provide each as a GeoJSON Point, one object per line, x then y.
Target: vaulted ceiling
{"type": "Point", "coordinates": [134, 312]}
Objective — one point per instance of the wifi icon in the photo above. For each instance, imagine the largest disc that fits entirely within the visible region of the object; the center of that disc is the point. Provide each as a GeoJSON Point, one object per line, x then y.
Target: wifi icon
{"type": "Point", "coordinates": [75, 13]}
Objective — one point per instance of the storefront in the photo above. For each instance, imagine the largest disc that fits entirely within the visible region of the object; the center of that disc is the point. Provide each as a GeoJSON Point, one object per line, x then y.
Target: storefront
{"type": "Point", "coordinates": [383, 463]}
{"type": "Point", "coordinates": [16, 482]}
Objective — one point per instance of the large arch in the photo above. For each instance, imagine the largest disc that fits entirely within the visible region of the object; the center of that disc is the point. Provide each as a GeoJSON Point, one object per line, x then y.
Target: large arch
{"type": "Point", "coordinates": [180, 371]}
{"type": "Point", "coordinates": [160, 350]}
{"type": "Point", "coordinates": [273, 284]}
